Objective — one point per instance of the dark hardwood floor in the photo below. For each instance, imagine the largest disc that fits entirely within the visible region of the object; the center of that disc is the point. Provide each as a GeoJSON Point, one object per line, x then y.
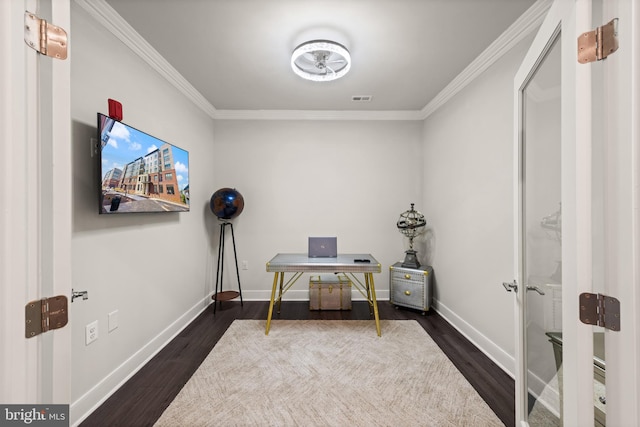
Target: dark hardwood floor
{"type": "Point", "coordinates": [141, 400]}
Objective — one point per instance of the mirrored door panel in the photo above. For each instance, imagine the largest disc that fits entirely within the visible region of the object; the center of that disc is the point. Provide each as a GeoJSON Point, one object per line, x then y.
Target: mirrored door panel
{"type": "Point", "coordinates": [542, 240]}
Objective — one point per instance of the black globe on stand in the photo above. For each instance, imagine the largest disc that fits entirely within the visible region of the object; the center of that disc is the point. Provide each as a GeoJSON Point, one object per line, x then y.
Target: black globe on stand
{"type": "Point", "coordinates": [226, 204]}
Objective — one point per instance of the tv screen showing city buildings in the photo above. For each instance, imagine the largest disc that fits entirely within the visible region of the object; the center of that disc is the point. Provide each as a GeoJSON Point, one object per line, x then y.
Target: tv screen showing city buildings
{"type": "Point", "coordinates": [139, 172]}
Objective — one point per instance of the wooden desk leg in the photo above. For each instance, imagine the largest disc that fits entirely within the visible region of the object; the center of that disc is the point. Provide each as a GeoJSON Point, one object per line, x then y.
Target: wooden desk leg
{"type": "Point", "coordinates": [375, 302]}
{"type": "Point", "coordinates": [273, 295]}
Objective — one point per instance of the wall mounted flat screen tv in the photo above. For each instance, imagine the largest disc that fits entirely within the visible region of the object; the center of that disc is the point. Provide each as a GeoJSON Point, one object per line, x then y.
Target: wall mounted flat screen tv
{"type": "Point", "coordinates": [139, 172]}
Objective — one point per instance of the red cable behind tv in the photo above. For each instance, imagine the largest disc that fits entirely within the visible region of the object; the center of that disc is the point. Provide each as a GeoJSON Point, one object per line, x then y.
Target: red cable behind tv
{"type": "Point", "coordinates": [115, 110]}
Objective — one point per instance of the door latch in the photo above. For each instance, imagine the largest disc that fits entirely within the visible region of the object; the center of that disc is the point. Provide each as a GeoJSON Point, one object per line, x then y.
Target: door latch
{"type": "Point", "coordinates": [79, 294]}
{"type": "Point", "coordinates": [510, 287]}
{"type": "Point", "coordinates": [535, 288]}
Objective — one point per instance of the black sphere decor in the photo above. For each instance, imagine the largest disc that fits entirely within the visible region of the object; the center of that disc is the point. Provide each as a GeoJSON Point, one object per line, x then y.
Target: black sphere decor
{"type": "Point", "coordinates": [226, 203]}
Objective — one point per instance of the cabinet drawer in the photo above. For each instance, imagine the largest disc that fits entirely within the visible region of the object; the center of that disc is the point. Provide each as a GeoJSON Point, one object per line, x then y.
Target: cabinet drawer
{"type": "Point", "coordinates": [408, 275]}
{"type": "Point", "coordinates": [409, 294]}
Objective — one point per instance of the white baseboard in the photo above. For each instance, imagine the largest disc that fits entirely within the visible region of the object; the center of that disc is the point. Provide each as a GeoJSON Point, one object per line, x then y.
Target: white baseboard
{"type": "Point", "coordinates": [500, 357]}
{"type": "Point", "coordinates": [91, 400]}
{"type": "Point", "coordinates": [549, 397]}
{"type": "Point", "coordinates": [505, 361]}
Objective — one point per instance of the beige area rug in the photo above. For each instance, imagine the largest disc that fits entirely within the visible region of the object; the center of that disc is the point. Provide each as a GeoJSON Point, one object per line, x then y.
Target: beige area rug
{"type": "Point", "coordinates": [327, 373]}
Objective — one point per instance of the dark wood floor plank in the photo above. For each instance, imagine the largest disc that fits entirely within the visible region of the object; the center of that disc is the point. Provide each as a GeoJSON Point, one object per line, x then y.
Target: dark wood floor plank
{"type": "Point", "coordinates": [143, 399]}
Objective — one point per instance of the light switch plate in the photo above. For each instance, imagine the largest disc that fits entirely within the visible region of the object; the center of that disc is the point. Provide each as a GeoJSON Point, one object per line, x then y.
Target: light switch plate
{"type": "Point", "coordinates": [113, 320]}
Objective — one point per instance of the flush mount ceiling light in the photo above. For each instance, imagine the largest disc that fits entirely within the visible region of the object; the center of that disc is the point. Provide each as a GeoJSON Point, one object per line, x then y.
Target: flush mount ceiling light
{"type": "Point", "coordinates": [321, 60]}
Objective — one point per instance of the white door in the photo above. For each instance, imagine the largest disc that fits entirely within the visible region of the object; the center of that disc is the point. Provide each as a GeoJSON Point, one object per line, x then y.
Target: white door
{"type": "Point", "coordinates": [577, 192]}
{"type": "Point", "coordinates": [620, 163]}
{"type": "Point", "coordinates": [35, 214]}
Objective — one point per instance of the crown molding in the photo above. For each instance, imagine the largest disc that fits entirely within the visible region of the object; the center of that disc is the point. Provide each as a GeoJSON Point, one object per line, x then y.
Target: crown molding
{"type": "Point", "coordinates": [316, 115]}
{"type": "Point", "coordinates": [521, 28]}
{"type": "Point", "coordinates": [112, 21]}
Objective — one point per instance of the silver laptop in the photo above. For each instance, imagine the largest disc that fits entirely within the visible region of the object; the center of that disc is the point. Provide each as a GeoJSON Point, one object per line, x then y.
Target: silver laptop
{"type": "Point", "coordinates": [323, 247]}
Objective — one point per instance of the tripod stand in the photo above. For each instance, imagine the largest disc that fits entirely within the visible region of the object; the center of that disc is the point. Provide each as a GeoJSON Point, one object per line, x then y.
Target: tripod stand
{"type": "Point", "coordinates": [225, 295]}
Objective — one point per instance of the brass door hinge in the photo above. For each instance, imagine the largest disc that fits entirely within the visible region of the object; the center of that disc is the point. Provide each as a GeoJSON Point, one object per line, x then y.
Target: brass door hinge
{"type": "Point", "coordinates": [600, 310]}
{"type": "Point", "coordinates": [596, 45]}
{"type": "Point", "coordinates": [48, 39]}
{"type": "Point", "coordinates": [45, 314]}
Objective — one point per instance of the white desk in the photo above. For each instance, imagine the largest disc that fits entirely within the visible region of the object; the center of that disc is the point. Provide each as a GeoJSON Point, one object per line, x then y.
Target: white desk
{"type": "Point", "coordinates": [297, 264]}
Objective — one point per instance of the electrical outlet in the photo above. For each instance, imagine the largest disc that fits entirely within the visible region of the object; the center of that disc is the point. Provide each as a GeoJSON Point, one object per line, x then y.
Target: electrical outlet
{"type": "Point", "coordinates": [113, 320]}
{"type": "Point", "coordinates": [91, 332]}
{"type": "Point", "coordinates": [245, 265]}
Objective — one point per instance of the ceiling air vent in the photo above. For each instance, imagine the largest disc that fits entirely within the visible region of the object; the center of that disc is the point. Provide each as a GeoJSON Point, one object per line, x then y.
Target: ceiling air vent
{"type": "Point", "coordinates": [361, 98]}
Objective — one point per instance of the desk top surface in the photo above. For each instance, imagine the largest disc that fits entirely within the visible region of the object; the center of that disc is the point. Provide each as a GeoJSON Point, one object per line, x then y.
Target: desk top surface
{"type": "Point", "coordinates": [343, 263]}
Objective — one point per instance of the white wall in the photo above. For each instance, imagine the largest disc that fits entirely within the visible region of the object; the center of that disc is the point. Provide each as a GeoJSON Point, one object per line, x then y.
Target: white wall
{"type": "Point", "coordinates": [349, 179]}
{"type": "Point", "coordinates": [468, 200]}
{"type": "Point", "coordinates": [153, 268]}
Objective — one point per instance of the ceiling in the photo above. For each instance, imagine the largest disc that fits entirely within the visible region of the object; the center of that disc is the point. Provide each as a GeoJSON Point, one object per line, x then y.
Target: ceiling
{"type": "Point", "coordinates": [236, 53]}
